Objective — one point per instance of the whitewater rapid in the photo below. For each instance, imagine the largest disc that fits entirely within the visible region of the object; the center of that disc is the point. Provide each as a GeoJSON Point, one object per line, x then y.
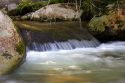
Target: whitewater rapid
{"type": "Point", "coordinates": [102, 64]}
{"type": "Point", "coordinates": [107, 55]}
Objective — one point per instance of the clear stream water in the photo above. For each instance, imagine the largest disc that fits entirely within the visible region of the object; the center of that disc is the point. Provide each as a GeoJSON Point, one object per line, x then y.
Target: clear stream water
{"type": "Point", "coordinates": [103, 64]}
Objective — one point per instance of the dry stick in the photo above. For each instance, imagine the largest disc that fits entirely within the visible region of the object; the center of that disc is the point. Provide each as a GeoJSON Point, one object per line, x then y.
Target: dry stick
{"type": "Point", "coordinates": [68, 3]}
{"type": "Point", "coordinates": [76, 5]}
{"type": "Point", "coordinates": [48, 2]}
{"type": "Point", "coordinates": [118, 8]}
{"type": "Point", "coordinates": [80, 3]}
{"type": "Point", "coordinates": [80, 20]}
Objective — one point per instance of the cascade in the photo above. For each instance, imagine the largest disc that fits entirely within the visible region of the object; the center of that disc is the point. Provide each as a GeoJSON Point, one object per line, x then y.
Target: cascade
{"type": "Point", "coordinates": [65, 45]}
{"type": "Point", "coordinates": [59, 36]}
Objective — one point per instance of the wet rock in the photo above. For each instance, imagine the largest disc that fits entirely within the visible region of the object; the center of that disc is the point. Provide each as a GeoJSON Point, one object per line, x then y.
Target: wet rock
{"type": "Point", "coordinates": [9, 42]}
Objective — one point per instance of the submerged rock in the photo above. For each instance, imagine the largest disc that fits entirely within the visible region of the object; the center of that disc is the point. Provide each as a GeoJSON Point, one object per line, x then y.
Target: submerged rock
{"type": "Point", "coordinates": [12, 48]}
{"type": "Point", "coordinates": [54, 12]}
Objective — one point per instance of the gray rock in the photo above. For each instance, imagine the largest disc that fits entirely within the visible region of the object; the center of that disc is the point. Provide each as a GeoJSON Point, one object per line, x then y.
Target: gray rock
{"type": "Point", "coordinates": [11, 6]}
{"type": "Point", "coordinates": [11, 45]}
{"type": "Point", "coordinates": [5, 3]}
{"type": "Point", "coordinates": [55, 11]}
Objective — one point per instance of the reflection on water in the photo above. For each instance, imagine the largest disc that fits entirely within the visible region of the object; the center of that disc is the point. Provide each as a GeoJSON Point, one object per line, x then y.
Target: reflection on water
{"type": "Point", "coordinates": [104, 64]}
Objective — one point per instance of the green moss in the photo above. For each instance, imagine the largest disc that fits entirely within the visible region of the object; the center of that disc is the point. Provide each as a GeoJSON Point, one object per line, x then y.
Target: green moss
{"type": "Point", "coordinates": [20, 48]}
{"type": "Point", "coordinates": [98, 23]}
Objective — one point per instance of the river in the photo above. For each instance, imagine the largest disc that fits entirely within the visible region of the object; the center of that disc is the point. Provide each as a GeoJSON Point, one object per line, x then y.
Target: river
{"type": "Point", "coordinates": [102, 64]}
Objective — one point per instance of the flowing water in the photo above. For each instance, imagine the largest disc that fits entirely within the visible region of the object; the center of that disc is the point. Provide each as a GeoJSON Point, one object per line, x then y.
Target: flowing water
{"type": "Point", "coordinates": [103, 64]}
{"type": "Point", "coordinates": [64, 45]}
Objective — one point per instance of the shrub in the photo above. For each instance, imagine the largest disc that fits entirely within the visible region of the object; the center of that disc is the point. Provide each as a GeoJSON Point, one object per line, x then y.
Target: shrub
{"type": "Point", "coordinates": [27, 6]}
{"type": "Point", "coordinates": [88, 6]}
{"type": "Point", "coordinates": [56, 1]}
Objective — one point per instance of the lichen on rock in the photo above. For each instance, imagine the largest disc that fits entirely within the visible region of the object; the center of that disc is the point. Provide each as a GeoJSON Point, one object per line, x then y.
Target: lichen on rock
{"type": "Point", "coordinates": [9, 38]}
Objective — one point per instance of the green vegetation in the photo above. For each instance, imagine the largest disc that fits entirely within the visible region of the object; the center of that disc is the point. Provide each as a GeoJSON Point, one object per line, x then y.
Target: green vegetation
{"type": "Point", "coordinates": [27, 6]}
{"type": "Point", "coordinates": [55, 1]}
{"type": "Point", "coordinates": [114, 21]}
{"type": "Point", "coordinates": [89, 8]}
{"type": "Point", "coordinates": [113, 18]}
{"type": "Point", "coordinates": [100, 13]}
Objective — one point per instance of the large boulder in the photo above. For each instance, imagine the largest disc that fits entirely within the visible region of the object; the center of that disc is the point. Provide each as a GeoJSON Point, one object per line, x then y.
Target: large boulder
{"type": "Point", "coordinates": [12, 49]}
{"type": "Point", "coordinates": [109, 27]}
{"type": "Point", "coordinates": [55, 11]}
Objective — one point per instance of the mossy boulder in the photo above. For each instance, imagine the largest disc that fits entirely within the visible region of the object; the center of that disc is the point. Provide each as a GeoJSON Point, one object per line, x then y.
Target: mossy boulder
{"type": "Point", "coordinates": [98, 23]}
{"type": "Point", "coordinates": [12, 48]}
{"type": "Point", "coordinates": [114, 21]}
{"type": "Point", "coordinates": [110, 26]}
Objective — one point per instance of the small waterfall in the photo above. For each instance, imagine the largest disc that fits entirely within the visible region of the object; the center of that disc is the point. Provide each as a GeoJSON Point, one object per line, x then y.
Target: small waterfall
{"type": "Point", "coordinates": [59, 36]}
{"type": "Point", "coordinates": [65, 45]}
